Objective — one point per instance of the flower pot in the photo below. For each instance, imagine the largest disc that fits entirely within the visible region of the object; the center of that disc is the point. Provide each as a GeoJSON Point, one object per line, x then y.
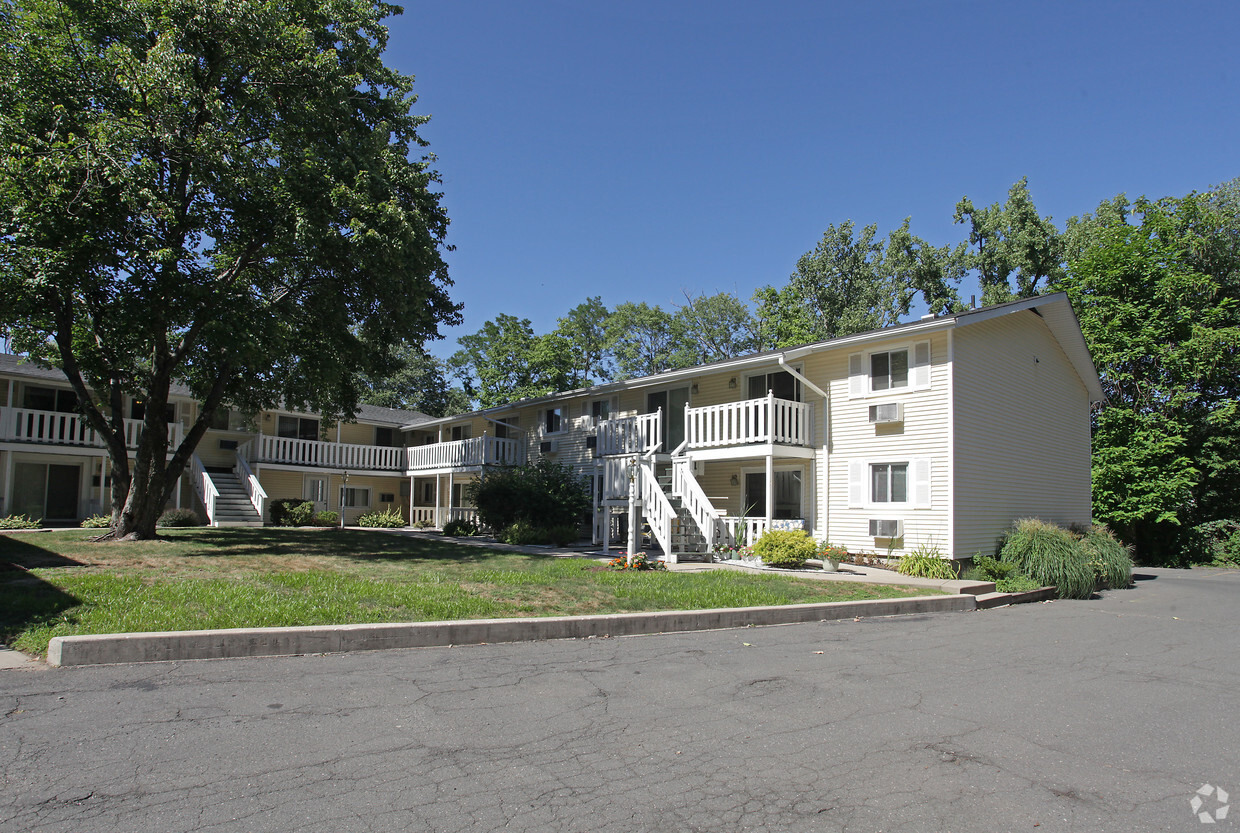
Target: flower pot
{"type": "Point", "coordinates": [830, 565]}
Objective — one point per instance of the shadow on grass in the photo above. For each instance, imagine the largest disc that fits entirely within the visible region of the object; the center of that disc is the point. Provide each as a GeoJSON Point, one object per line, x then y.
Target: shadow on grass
{"type": "Point", "coordinates": [27, 601]}
{"type": "Point", "coordinates": [357, 544]}
{"type": "Point", "coordinates": [24, 551]}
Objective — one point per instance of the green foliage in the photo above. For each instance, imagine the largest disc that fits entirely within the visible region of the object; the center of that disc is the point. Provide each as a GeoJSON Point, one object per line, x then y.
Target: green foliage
{"type": "Point", "coordinates": [1050, 555]}
{"type": "Point", "coordinates": [1005, 575]}
{"type": "Point", "coordinates": [19, 522]}
{"type": "Point", "coordinates": [422, 524]}
{"type": "Point", "coordinates": [419, 383]}
{"type": "Point", "coordinates": [1016, 583]}
{"type": "Point", "coordinates": [523, 533]}
{"type": "Point", "coordinates": [1156, 285]}
{"type": "Point", "coordinates": [461, 528]}
{"type": "Point", "coordinates": [291, 512]}
{"type": "Point", "coordinates": [1217, 543]}
{"type": "Point", "coordinates": [926, 562]}
{"type": "Point", "coordinates": [786, 548]}
{"type": "Point", "coordinates": [178, 518]}
{"type": "Point", "coordinates": [388, 518]}
{"type": "Point", "coordinates": [542, 494]}
{"type": "Point", "coordinates": [644, 339]}
{"type": "Point", "coordinates": [711, 328]}
{"type": "Point", "coordinates": [1111, 560]}
{"type": "Point", "coordinates": [584, 330]}
{"type": "Point", "coordinates": [97, 522]}
{"type": "Point", "coordinates": [219, 193]}
{"type": "Point", "coordinates": [327, 517]}
{"type": "Point", "coordinates": [831, 552]}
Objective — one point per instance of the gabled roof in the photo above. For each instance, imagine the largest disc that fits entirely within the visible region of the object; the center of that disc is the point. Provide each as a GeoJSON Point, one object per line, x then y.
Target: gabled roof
{"type": "Point", "coordinates": [25, 368]}
{"type": "Point", "coordinates": [1054, 308]}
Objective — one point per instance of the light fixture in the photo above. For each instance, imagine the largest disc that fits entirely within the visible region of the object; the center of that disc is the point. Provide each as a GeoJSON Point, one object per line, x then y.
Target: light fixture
{"type": "Point", "coordinates": [732, 383]}
{"type": "Point", "coordinates": [694, 388]}
{"type": "Point", "coordinates": [736, 481]}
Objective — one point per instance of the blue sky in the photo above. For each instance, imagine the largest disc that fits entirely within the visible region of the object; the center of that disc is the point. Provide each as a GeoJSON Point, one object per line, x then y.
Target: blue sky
{"type": "Point", "coordinates": [637, 150]}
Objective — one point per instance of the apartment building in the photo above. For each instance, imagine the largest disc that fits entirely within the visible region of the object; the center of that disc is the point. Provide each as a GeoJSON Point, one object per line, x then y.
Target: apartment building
{"type": "Point", "coordinates": [938, 432]}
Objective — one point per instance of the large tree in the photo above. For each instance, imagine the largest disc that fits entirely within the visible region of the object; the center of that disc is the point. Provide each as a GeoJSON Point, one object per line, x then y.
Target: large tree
{"type": "Point", "coordinates": [215, 192]}
{"type": "Point", "coordinates": [714, 327]}
{"type": "Point", "coordinates": [1015, 251]}
{"type": "Point", "coordinates": [1156, 285]}
{"type": "Point", "coordinates": [420, 383]}
{"type": "Point", "coordinates": [505, 361]}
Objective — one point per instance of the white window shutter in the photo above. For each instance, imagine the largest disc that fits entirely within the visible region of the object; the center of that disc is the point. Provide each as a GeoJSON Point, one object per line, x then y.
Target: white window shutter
{"type": "Point", "coordinates": [921, 483]}
{"type": "Point", "coordinates": [856, 483]}
{"type": "Point", "coordinates": [921, 364]}
{"type": "Point", "coordinates": [857, 378]}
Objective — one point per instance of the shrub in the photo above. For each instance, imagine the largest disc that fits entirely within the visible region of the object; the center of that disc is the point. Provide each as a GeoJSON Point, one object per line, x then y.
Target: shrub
{"type": "Point", "coordinates": [523, 534]}
{"type": "Point", "coordinates": [1050, 555]}
{"type": "Point", "coordinates": [1216, 542]}
{"type": "Point", "coordinates": [986, 568]}
{"type": "Point", "coordinates": [387, 519]}
{"type": "Point", "coordinates": [327, 518]}
{"type": "Point", "coordinates": [787, 548]}
{"type": "Point", "coordinates": [178, 517]}
{"type": "Point", "coordinates": [545, 494]}
{"type": "Point", "coordinates": [563, 535]}
{"type": "Point", "coordinates": [19, 522]}
{"type": "Point", "coordinates": [97, 522]}
{"type": "Point", "coordinates": [461, 528]}
{"type": "Point", "coordinates": [926, 562]}
{"type": "Point", "coordinates": [1015, 583]}
{"type": "Point", "coordinates": [422, 524]}
{"type": "Point", "coordinates": [1111, 561]}
{"type": "Point", "coordinates": [291, 512]}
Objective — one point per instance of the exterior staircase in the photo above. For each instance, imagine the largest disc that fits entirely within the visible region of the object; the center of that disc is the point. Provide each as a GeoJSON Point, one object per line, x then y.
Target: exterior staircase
{"type": "Point", "coordinates": [232, 506]}
{"type": "Point", "coordinates": [688, 543]}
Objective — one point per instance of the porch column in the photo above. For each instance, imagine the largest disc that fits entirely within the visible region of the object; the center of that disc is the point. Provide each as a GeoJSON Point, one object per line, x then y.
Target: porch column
{"type": "Point", "coordinates": [770, 489]}
{"type": "Point", "coordinates": [634, 517]}
{"type": "Point", "coordinates": [179, 480]}
{"type": "Point", "coordinates": [8, 480]}
{"type": "Point", "coordinates": [438, 516]}
{"type": "Point", "coordinates": [411, 496]}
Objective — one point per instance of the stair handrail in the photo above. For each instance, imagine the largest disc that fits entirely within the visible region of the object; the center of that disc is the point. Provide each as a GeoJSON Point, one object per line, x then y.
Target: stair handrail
{"type": "Point", "coordinates": [253, 489]}
{"type": "Point", "coordinates": [686, 487]}
{"type": "Point", "coordinates": [204, 486]}
{"type": "Point", "coordinates": [655, 505]}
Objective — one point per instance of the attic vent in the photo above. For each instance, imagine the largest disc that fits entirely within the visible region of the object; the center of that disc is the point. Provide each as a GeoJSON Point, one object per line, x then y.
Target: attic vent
{"type": "Point", "coordinates": [886, 528]}
{"type": "Point", "coordinates": [887, 412]}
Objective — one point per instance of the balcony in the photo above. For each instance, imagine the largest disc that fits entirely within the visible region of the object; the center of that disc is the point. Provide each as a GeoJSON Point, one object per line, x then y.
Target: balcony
{"type": "Point", "coordinates": [754, 421]}
{"type": "Point", "coordinates": [321, 454]}
{"type": "Point", "coordinates": [458, 454]}
{"type": "Point", "coordinates": [26, 425]}
{"type": "Point", "coordinates": [629, 435]}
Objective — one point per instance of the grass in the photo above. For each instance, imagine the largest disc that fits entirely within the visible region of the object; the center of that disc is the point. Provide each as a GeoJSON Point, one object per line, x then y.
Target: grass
{"type": "Point", "coordinates": [62, 583]}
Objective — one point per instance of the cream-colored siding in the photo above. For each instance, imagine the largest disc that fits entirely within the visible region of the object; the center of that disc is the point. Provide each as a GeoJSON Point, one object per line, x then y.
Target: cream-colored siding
{"type": "Point", "coordinates": [1021, 431]}
{"type": "Point", "coordinates": [853, 438]}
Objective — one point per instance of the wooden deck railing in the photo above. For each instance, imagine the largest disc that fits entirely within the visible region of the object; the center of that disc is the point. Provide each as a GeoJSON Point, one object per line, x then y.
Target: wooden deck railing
{"type": "Point", "coordinates": [764, 420]}
{"type": "Point", "coordinates": [57, 428]}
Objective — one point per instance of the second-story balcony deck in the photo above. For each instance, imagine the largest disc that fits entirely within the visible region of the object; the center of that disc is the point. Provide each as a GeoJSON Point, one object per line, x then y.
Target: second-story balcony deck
{"type": "Point", "coordinates": [27, 425]}
{"type": "Point", "coordinates": [322, 454]}
{"type": "Point", "coordinates": [464, 454]}
{"type": "Point", "coordinates": [716, 430]}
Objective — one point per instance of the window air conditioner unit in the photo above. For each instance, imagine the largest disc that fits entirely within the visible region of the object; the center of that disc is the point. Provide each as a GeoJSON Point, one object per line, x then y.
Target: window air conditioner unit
{"type": "Point", "coordinates": [887, 412]}
{"type": "Point", "coordinates": [592, 442]}
{"type": "Point", "coordinates": [549, 447]}
{"type": "Point", "coordinates": [886, 529]}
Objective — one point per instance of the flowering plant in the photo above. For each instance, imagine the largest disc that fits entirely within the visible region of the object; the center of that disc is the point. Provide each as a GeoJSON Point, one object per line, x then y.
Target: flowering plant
{"type": "Point", "coordinates": [830, 552]}
{"type": "Point", "coordinates": [637, 562]}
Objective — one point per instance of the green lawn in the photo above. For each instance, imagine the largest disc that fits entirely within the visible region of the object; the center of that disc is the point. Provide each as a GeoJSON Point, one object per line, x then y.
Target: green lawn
{"type": "Point", "coordinates": [61, 583]}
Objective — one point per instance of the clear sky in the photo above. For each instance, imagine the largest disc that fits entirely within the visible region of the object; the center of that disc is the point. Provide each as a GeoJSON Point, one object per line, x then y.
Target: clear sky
{"type": "Point", "coordinates": [636, 150]}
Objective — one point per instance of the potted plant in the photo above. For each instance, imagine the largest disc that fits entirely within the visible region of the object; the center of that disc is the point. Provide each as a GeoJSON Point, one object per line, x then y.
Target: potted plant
{"type": "Point", "coordinates": [831, 556]}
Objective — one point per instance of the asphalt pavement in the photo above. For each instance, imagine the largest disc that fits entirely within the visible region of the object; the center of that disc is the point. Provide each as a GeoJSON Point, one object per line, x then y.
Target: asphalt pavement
{"type": "Point", "coordinates": [1100, 715]}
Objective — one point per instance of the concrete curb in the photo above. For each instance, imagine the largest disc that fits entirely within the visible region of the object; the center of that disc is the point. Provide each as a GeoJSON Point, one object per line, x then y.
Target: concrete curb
{"type": "Point", "coordinates": [986, 601]}
{"type": "Point", "coordinates": [100, 649]}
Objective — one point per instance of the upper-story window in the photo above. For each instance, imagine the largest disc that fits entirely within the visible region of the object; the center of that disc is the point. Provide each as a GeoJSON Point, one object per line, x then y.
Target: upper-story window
{"type": "Point", "coordinates": [137, 410]}
{"type": "Point", "coordinates": [889, 482]}
{"type": "Point", "coordinates": [462, 432]}
{"type": "Point", "coordinates": [506, 428]}
{"type": "Point", "coordinates": [782, 383]}
{"type": "Point", "coordinates": [889, 370]}
{"type": "Point", "coordinates": [50, 399]}
{"type": "Point", "coordinates": [600, 409]}
{"type": "Point", "coordinates": [553, 420]}
{"type": "Point", "coordinates": [904, 368]}
{"type": "Point", "coordinates": [297, 428]}
{"type": "Point", "coordinates": [386, 437]}
{"type": "Point", "coordinates": [220, 419]}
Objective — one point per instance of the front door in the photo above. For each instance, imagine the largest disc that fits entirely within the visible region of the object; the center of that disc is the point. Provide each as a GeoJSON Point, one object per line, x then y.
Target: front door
{"type": "Point", "coordinates": [316, 492]}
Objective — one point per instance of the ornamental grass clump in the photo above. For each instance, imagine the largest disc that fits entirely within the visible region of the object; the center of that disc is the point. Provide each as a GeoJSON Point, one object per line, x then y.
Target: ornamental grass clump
{"type": "Point", "coordinates": [388, 518]}
{"type": "Point", "coordinates": [19, 522]}
{"type": "Point", "coordinates": [1111, 560]}
{"type": "Point", "coordinates": [786, 548]}
{"type": "Point", "coordinates": [926, 562]}
{"type": "Point", "coordinates": [1050, 555]}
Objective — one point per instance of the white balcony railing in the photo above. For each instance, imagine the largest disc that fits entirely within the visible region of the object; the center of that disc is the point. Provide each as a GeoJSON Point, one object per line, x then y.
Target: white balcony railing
{"type": "Point", "coordinates": [56, 428]}
{"type": "Point", "coordinates": [765, 420]}
{"type": "Point", "coordinates": [478, 451]}
{"type": "Point", "coordinates": [267, 449]}
{"type": "Point", "coordinates": [630, 435]}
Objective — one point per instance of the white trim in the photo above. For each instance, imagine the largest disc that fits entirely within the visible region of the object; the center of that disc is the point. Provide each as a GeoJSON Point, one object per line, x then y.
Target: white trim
{"type": "Point", "coordinates": [951, 444]}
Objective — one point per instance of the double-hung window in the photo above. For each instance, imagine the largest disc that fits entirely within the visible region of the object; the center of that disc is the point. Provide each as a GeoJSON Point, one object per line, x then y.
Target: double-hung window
{"type": "Point", "coordinates": [889, 482]}
{"type": "Point", "coordinates": [356, 498]}
{"type": "Point", "coordinates": [889, 370]}
{"type": "Point", "coordinates": [553, 420]}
